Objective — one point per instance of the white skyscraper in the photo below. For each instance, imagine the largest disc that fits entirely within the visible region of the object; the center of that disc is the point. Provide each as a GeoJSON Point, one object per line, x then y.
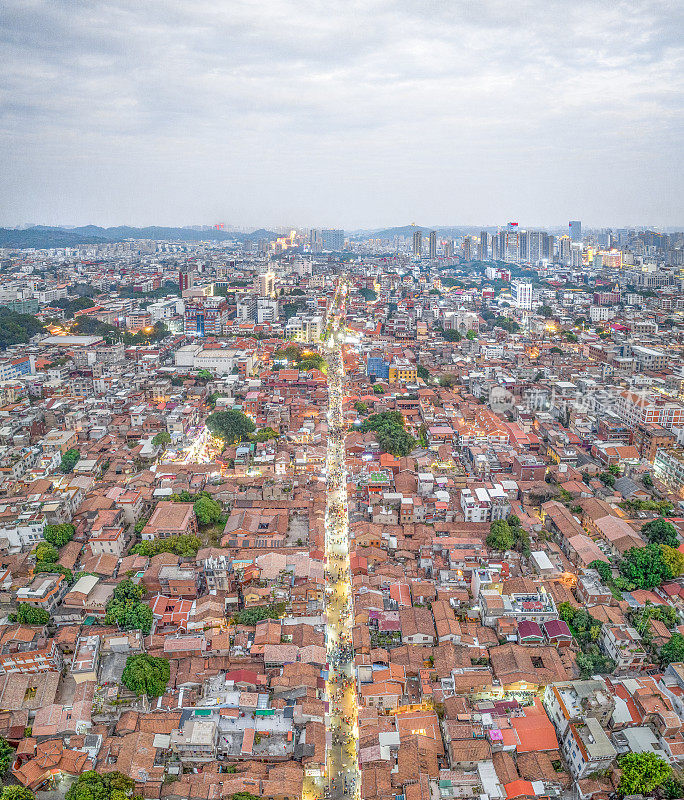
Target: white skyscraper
{"type": "Point", "coordinates": [522, 295]}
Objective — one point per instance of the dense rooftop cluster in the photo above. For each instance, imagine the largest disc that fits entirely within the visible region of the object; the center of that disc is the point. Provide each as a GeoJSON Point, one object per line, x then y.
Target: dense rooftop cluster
{"type": "Point", "coordinates": [512, 411]}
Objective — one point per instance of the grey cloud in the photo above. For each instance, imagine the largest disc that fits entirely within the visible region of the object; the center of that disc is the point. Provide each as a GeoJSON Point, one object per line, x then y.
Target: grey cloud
{"type": "Point", "coordinates": [344, 113]}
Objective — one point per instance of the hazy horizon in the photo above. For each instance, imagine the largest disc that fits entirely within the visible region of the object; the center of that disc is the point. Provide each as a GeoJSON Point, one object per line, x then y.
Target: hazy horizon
{"type": "Point", "coordinates": [282, 228]}
{"type": "Point", "coordinates": [347, 117]}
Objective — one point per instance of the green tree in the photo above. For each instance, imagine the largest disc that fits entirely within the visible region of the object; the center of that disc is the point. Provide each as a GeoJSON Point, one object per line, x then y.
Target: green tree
{"type": "Point", "coordinates": [472, 335]}
{"type": "Point", "coordinates": [592, 661]}
{"type": "Point", "coordinates": [46, 552]}
{"type": "Point", "coordinates": [672, 651]}
{"type": "Point", "coordinates": [29, 615]}
{"type": "Point", "coordinates": [377, 389]}
{"type": "Point", "coordinates": [607, 479]}
{"type": "Point", "coordinates": [59, 535]}
{"type": "Point", "coordinates": [126, 610]}
{"type": "Point", "coordinates": [230, 426]}
{"type": "Point", "coordinates": [447, 381]}
{"type": "Point", "coordinates": [145, 674]}
{"type": "Point", "coordinates": [388, 427]}
{"type": "Point", "coordinates": [161, 439]}
{"type": "Point", "coordinates": [614, 469]}
{"type": "Point", "coordinates": [423, 373]}
{"type": "Point", "coordinates": [660, 531]}
{"type": "Point", "coordinates": [16, 793]}
{"type": "Point", "coordinates": [69, 460]}
{"type": "Point", "coordinates": [673, 788]}
{"type": "Point", "coordinates": [140, 524]}
{"type": "Point", "coordinates": [183, 545]}
{"type": "Point", "coordinates": [546, 311]}
{"type": "Point", "coordinates": [207, 510]}
{"type": "Point", "coordinates": [645, 567]}
{"type": "Point", "coordinates": [265, 434]}
{"type": "Point", "coordinates": [603, 569]}
{"type": "Point", "coordinates": [451, 335]}
{"type": "Point", "coordinates": [16, 328]}
{"type": "Point", "coordinates": [54, 569]}
{"type": "Point", "coordinates": [501, 536]}
{"type": "Point", "coordinates": [93, 786]}
{"type": "Point", "coordinates": [6, 755]}
{"type": "Point", "coordinates": [642, 773]}
{"type": "Point", "coordinates": [254, 614]}
{"type": "Point", "coordinates": [647, 480]}
{"type": "Point", "coordinates": [361, 408]}
{"type": "Point", "coordinates": [507, 324]}
{"type": "Point", "coordinates": [674, 560]}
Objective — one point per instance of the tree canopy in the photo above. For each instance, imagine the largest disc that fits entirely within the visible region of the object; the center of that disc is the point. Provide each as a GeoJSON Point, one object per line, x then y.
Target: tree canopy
{"type": "Point", "coordinates": [673, 650]}
{"type": "Point", "coordinates": [59, 535]}
{"type": "Point", "coordinates": [389, 430]}
{"type": "Point", "coordinates": [29, 615]}
{"type": "Point", "coordinates": [250, 616]}
{"type": "Point", "coordinates": [6, 755]}
{"type": "Point", "coordinates": [16, 328]}
{"type": "Point", "coordinates": [145, 674]}
{"type": "Point", "coordinates": [645, 567]}
{"type": "Point", "coordinates": [660, 531]}
{"type": "Point", "coordinates": [506, 534]}
{"type": "Point", "coordinates": [500, 536]}
{"type": "Point", "coordinates": [16, 793]}
{"type": "Point", "coordinates": [642, 773]}
{"type": "Point", "coordinates": [69, 460]}
{"type": "Point", "coordinates": [109, 786]}
{"type": "Point", "coordinates": [230, 426]}
{"type": "Point", "coordinates": [207, 510]}
{"type": "Point", "coordinates": [674, 560]}
{"type": "Point", "coordinates": [162, 438]}
{"type": "Point", "coordinates": [603, 569]}
{"type": "Point", "coordinates": [46, 552]}
{"type": "Point", "coordinates": [182, 545]}
{"type": "Point", "coordinates": [126, 610]}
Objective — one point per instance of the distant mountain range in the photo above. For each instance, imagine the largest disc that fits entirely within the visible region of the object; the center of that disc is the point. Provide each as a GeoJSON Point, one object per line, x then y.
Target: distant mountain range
{"type": "Point", "coordinates": [408, 231]}
{"type": "Point", "coordinates": [41, 237]}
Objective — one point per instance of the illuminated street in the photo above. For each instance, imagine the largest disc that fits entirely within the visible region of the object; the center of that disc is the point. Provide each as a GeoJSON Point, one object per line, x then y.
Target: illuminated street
{"type": "Point", "coordinates": [342, 722]}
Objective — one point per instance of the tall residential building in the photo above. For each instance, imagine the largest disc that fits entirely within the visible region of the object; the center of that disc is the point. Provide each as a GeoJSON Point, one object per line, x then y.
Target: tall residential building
{"type": "Point", "coordinates": [484, 245]}
{"type": "Point", "coordinates": [266, 284]}
{"type": "Point", "coordinates": [535, 246]}
{"type": "Point", "coordinates": [509, 243]}
{"type": "Point", "coordinates": [206, 316]}
{"type": "Point", "coordinates": [467, 248]}
{"type": "Point", "coordinates": [417, 244]}
{"type": "Point", "coordinates": [433, 244]}
{"type": "Point", "coordinates": [186, 279]}
{"type": "Point", "coordinates": [564, 249]}
{"type": "Point", "coordinates": [449, 248]}
{"type": "Point", "coordinates": [524, 246]}
{"type": "Point", "coordinates": [332, 239]}
{"type": "Point", "coordinates": [522, 295]}
{"type": "Point", "coordinates": [548, 244]}
{"type": "Point", "coordinates": [575, 230]}
{"type": "Point", "coordinates": [315, 242]}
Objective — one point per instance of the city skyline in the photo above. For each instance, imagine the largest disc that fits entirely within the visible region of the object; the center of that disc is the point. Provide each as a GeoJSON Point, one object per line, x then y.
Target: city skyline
{"type": "Point", "coordinates": [354, 118]}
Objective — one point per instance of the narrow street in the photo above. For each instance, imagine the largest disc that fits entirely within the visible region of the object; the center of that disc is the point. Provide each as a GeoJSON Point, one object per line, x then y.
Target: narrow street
{"type": "Point", "coordinates": [342, 719]}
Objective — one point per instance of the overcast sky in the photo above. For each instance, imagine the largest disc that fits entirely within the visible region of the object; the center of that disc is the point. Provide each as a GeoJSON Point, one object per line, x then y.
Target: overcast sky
{"type": "Point", "coordinates": [346, 114]}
